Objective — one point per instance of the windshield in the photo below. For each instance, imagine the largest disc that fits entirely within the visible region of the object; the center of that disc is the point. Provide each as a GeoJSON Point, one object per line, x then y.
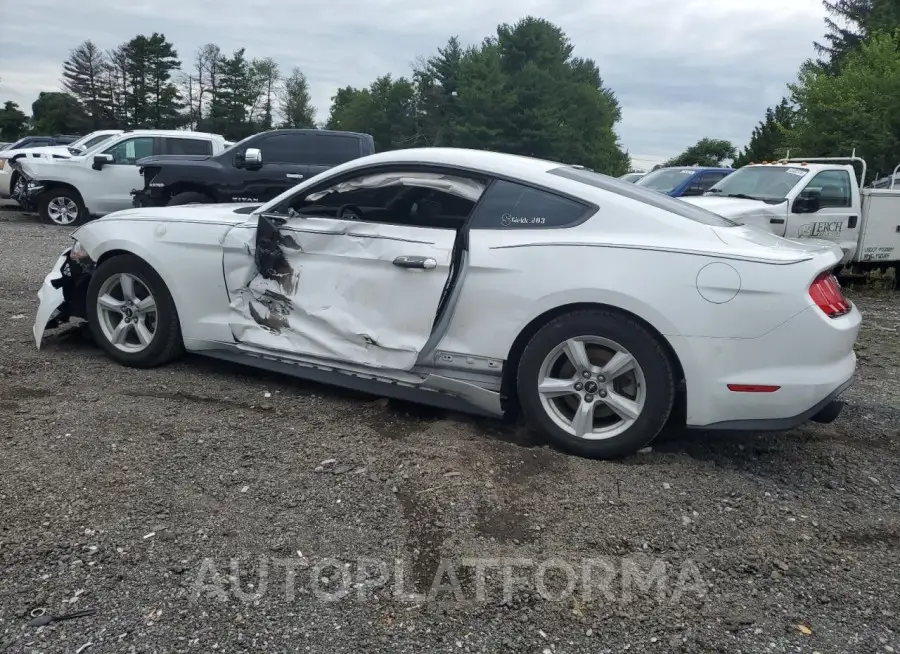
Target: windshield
{"type": "Point", "coordinates": [760, 182]}
{"type": "Point", "coordinates": [665, 180]}
{"type": "Point", "coordinates": [87, 142]}
{"type": "Point", "coordinates": [631, 177]}
{"type": "Point", "coordinates": [647, 196]}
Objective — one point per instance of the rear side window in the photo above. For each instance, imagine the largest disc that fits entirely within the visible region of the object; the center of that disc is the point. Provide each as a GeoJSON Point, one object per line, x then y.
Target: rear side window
{"type": "Point", "coordinates": [187, 146]}
{"type": "Point", "coordinates": [332, 150]}
{"type": "Point", "coordinates": [288, 148]}
{"type": "Point", "coordinates": [645, 195]}
{"type": "Point", "coordinates": [507, 205]}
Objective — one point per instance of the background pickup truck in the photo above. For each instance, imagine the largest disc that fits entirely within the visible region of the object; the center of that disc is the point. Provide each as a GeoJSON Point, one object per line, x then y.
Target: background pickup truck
{"type": "Point", "coordinates": [256, 169]}
{"type": "Point", "coordinates": [814, 198]}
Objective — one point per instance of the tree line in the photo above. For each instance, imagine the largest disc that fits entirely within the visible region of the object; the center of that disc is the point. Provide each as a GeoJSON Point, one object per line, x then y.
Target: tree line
{"type": "Point", "coordinates": [519, 90]}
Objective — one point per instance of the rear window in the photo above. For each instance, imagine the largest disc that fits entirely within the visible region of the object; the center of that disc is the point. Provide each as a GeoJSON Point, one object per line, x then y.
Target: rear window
{"type": "Point", "coordinates": [642, 194]}
{"type": "Point", "coordinates": [334, 150]}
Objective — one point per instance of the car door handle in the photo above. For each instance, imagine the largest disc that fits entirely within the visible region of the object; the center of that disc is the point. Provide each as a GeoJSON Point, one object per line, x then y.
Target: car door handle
{"type": "Point", "coordinates": [776, 221]}
{"type": "Point", "coordinates": [294, 176]}
{"type": "Point", "coordinates": [421, 263]}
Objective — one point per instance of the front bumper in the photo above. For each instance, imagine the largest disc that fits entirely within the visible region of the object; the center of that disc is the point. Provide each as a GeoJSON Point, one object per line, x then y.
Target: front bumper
{"type": "Point", "coordinates": [27, 191]}
{"type": "Point", "coordinates": [148, 197]}
{"type": "Point", "coordinates": [62, 295]}
{"type": "Point", "coordinates": [5, 178]}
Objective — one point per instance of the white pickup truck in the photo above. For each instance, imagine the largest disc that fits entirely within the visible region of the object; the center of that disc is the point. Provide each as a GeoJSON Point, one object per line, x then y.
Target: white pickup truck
{"type": "Point", "coordinates": [816, 198]}
{"type": "Point", "coordinates": [100, 180]}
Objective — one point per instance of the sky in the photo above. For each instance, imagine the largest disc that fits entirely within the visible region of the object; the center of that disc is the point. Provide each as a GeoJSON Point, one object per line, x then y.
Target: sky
{"type": "Point", "coordinates": [681, 69]}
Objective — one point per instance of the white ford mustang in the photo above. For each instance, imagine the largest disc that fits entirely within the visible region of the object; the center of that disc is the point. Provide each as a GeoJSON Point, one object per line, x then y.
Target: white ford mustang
{"type": "Point", "coordinates": [482, 282]}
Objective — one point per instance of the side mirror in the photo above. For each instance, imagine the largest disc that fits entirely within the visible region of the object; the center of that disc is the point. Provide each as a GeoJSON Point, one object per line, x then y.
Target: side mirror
{"type": "Point", "coordinates": [252, 157]}
{"type": "Point", "coordinates": [100, 160]}
{"type": "Point", "coordinates": [806, 204]}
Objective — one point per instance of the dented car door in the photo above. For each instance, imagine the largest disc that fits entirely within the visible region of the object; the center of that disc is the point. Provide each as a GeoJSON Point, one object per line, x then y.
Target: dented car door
{"type": "Point", "coordinates": [352, 271]}
{"type": "Point", "coordinates": [345, 290]}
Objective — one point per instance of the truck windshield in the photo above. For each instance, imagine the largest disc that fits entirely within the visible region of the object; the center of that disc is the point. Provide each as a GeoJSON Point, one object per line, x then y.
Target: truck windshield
{"type": "Point", "coordinates": [665, 180]}
{"type": "Point", "coordinates": [634, 192]}
{"type": "Point", "coordinates": [772, 183]}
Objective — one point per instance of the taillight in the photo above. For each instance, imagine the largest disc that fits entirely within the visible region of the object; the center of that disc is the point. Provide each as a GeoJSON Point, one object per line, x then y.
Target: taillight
{"type": "Point", "coordinates": [826, 292]}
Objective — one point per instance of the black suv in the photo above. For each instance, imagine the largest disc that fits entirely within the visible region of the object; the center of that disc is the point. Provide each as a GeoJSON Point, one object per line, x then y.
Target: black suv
{"type": "Point", "coordinates": [256, 169]}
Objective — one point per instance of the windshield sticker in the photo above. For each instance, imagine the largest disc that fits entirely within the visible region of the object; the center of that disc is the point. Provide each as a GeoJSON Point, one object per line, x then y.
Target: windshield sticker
{"type": "Point", "coordinates": [799, 172]}
{"type": "Point", "coordinates": [688, 172]}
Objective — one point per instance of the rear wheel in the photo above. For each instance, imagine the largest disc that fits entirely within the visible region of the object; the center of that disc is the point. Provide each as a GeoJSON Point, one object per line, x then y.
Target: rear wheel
{"type": "Point", "coordinates": [597, 383]}
{"type": "Point", "coordinates": [62, 206]}
{"type": "Point", "coordinates": [189, 197]}
{"type": "Point", "coordinates": [131, 313]}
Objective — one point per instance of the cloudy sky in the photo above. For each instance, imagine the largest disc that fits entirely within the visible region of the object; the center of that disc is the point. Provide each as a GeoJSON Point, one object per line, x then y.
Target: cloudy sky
{"type": "Point", "coordinates": [682, 69]}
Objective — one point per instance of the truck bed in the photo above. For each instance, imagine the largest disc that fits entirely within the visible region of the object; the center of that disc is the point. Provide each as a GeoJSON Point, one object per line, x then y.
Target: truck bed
{"type": "Point", "coordinates": [880, 239]}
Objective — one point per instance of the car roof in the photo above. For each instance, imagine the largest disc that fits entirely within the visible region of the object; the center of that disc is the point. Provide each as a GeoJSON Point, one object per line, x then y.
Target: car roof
{"type": "Point", "coordinates": [172, 132]}
{"type": "Point", "coordinates": [499, 163]}
{"type": "Point", "coordinates": [699, 169]}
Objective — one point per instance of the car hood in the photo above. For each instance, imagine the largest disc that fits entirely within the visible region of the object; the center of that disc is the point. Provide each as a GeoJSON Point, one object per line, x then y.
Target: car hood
{"type": "Point", "coordinates": [43, 168]}
{"type": "Point", "coordinates": [48, 150]}
{"type": "Point", "coordinates": [208, 213]}
{"type": "Point", "coordinates": [172, 158]}
{"type": "Point", "coordinates": [738, 209]}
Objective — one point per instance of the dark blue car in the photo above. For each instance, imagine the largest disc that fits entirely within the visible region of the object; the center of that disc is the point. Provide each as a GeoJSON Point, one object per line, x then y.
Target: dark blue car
{"type": "Point", "coordinates": [679, 181]}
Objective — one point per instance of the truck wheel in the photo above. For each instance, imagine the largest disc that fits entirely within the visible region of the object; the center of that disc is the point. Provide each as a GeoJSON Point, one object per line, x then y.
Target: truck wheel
{"type": "Point", "coordinates": [131, 314]}
{"type": "Point", "coordinates": [596, 383]}
{"type": "Point", "coordinates": [62, 206]}
{"type": "Point", "coordinates": [189, 197]}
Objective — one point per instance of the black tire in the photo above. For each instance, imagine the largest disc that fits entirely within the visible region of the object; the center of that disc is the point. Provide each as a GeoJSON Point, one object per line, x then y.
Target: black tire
{"type": "Point", "coordinates": [67, 196]}
{"type": "Point", "coordinates": [189, 197]}
{"type": "Point", "coordinates": [646, 349]}
{"type": "Point", "coordinates": [166, 344]}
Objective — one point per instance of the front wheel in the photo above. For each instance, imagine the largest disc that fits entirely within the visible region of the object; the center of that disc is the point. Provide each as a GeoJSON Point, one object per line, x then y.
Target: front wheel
{"type": "Point", "coordinates": [62, 206]}
{"type": "Point", "coordinates": [131, 313]}
{"type": "Point", "coordinates": [597, 383]}
{"type": "Point", "coordinates": [189, 197]}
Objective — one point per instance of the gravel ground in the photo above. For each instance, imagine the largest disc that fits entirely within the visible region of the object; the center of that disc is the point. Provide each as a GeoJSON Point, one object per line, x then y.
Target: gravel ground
{"type": "Point", "coordinates": [204, 507]}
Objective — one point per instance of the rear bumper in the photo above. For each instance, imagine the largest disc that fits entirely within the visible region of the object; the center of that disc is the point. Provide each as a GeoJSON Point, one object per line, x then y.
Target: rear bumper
{"type": "Point", "coordinates": [810, 359]}
{"type": "Point", "coordinates": [826, 410]}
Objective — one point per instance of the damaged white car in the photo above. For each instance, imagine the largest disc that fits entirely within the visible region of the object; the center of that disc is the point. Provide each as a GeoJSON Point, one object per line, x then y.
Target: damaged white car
{"type": "Point", "coordinates": [482, 282]}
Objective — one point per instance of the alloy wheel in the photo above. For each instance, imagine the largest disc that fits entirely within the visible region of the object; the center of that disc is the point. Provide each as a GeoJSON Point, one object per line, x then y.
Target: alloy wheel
{"type": "Point", "coordinates": [591, 387]}
{"type": "Point", "coordinates": [62, 210]}
{"type": "Point", "coordinates": [126, 312]}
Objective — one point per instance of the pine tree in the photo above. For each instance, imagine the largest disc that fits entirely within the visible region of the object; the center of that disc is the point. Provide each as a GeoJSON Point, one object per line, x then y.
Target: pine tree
{"type": "Point", "coordinates": [295, 105]}
{"type": "Point", "coordinates": [85, 75]}
{"type": "Point", "coordinates": [769, 139]}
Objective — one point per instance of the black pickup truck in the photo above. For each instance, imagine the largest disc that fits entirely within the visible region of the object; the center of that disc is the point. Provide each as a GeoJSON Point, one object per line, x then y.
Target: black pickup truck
{"type": "Point", "coordinates": [256, 169]}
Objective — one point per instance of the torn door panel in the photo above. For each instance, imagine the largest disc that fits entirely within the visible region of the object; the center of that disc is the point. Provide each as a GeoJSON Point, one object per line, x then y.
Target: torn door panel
{"type": "Point", "coordinates": [329, 289]}
{"type": "Point", "coordinates": [469, 189]}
